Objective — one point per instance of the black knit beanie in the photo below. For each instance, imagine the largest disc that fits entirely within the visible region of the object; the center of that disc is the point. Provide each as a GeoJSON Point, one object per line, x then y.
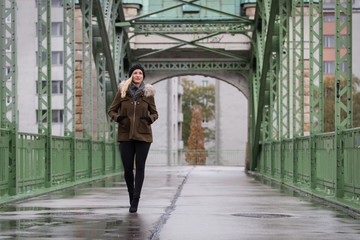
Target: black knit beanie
{"type": "Point", "coordinates": [136, 66]}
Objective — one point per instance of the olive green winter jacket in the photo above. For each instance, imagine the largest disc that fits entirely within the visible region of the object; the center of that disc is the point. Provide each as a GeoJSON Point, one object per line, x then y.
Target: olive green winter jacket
{"type": "Point", "coordinates": [134, 127]}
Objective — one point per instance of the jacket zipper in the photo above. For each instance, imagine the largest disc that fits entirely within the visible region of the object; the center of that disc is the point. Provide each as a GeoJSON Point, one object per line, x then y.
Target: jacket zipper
{"type": "Point", "coordinates": [132, 134]}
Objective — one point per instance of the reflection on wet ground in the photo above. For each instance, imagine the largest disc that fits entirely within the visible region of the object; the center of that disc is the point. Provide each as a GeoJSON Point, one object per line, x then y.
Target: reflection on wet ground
{"type": "Point", "coordinates": [177, 203]}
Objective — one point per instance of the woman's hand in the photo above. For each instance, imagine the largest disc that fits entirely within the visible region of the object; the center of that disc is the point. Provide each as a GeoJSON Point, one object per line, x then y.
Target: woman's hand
{"type": "Point", "coordinates": [121, 117]}
{"type": "Point", "coordinates": [148, 119]}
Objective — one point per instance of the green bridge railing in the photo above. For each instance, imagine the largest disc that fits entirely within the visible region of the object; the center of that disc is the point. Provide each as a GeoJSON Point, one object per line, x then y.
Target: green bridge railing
{"type": "Point", "coordinates": [94, 160]}
{"type": "Point", "coordinates": [289, 162]}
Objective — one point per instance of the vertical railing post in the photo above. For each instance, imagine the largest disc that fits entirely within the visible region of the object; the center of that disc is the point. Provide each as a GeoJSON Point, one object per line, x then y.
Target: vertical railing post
{"type": "Point", "coordinates": [284, 79]}
{"type": "Point", "coordinates": [100, 102]}
{"type": "Point", "coordinates": [316, 83]}
{"type": "Point", "coordinates": [86, 8]}
{"type": "Point", "coordinates": [343, 86]}
{"type": "Point", "coordinates": [8, 91]}
{"type": "Point", "coordinates": [69, 80]}
{"type": "Point", "coordinates": [44, 82]}
{"type": "Point", "coordinates": [298, 67]}
{"type": "Point", "coordinates": [297, 79]}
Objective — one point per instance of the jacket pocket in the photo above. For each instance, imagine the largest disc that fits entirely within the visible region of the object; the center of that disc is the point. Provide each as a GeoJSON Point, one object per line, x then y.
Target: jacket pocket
{"type": "Point", "coordinates": [124, 125]}
{"type": "Point", "coordinates": [144, 126]}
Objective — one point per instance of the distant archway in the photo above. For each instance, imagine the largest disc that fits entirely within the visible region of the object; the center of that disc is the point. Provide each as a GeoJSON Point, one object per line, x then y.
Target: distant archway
{"type": "Point", "coordinates": [236, 79]}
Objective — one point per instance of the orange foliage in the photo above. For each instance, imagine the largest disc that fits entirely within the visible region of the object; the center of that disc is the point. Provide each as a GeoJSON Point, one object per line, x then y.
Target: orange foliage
{"type": "Point", "coordinates": [196, 154]}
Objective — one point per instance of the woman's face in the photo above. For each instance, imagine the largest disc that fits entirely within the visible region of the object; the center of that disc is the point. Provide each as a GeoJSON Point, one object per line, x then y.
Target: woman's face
{"type": "Point", "coordinates": [137, 77]}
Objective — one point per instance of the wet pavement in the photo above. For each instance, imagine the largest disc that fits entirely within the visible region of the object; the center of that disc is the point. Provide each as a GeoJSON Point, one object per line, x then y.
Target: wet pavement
{"type": "Point", "coordinates": [207, 202]}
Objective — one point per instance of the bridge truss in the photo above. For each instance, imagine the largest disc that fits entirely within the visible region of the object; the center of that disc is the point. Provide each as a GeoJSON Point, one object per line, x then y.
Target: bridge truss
{"type": "Point", "coordinates": [284, 70]}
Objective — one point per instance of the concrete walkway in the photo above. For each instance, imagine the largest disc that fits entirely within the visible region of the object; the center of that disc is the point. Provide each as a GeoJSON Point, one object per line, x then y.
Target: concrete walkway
{"type": "Point", "coordinates": [177, 203]}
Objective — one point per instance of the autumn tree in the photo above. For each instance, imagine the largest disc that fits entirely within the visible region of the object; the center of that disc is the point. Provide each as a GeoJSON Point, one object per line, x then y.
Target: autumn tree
{"type": "Point", "coordinates": [195, 153]}
{"type": "Point", "coordinates": [329, 103]}
{"type": "Point", "coordinates": [202, 96]}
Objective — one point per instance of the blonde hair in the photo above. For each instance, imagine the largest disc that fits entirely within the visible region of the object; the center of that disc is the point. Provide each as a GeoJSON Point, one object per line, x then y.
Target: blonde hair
{"type": "Point", "coordinates": [125, 87]}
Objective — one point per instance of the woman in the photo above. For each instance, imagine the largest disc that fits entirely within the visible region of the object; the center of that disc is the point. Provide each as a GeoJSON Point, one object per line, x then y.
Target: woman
{"type": "Point", "coordinates": [134, 109]}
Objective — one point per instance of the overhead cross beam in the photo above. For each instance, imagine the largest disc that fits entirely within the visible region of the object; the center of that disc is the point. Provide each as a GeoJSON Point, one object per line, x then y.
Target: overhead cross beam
{"type": "Point", "coordinates": [196, 65]}
{"type": "Point", "coordinates": [138, 25]}
{"type": "Point", "coordinates": [192, 43]}
{"type": "Point", "coordinates": [188, 26]}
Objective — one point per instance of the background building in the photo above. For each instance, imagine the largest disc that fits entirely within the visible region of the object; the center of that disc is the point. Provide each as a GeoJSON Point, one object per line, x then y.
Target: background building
{"type": "Point", "coordinates": [27, 62]}
{"type": "Point", "coordinates": [329, 38]}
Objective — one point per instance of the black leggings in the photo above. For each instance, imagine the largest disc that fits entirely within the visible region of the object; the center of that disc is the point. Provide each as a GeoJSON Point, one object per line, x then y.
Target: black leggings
{"type": "Point", "coordinates": [139, 150]}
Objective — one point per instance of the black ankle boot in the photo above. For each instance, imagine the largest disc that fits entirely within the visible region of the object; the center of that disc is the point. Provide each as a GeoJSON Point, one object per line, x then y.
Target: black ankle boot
{"type": "Point", "coordinates": [134, 205]}
{"type": "Point", "coordinates": [131, 197]}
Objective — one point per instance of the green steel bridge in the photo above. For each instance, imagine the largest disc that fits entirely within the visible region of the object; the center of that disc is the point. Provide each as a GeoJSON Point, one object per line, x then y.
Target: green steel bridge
{"type": "Point", "coordinates": [287, 143]}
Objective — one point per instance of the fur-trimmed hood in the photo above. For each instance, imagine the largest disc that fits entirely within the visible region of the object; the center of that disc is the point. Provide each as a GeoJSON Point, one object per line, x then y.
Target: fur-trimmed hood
{"type": "Point", "coordinates": [149, 89]}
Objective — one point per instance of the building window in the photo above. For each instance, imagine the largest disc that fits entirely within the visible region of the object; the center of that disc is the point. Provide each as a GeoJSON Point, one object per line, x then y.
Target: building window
{"type": "Point", "coordinates": [57, 116]}
{"type": "Point", "coordinates": [43, 3]}
{"type": "Point", "coordinates": [345, 40]}
{"type": "Point", "coordinates": [57, 58]}
{"type": "Point", "coordinates": [8, 45]}
{"type": "Point", "coordinates": [56, 3]}
{"type": "Point", "coordinates": [8, 19]}
{"type": "Point", "coordinates": [42, 86]}
{"type": "Point", "coordinates": [329, 67]}
{"type": "Point", "coordinates": [43, 29]}
{"type": "Point", "coordinates": [343, 66]}
{"type": "Point", "coordinates": [56, 29]}
{"type": "Point", "coordinates": [43, 57]}
{"type": "Point", "coordinates": [329, 18]}
{"type": "Point", "coordinates": [191, 9]}
{"type": "Point", "coordinates": [329, 41]}
{"type": "Point", "coordinates": [56, 86]}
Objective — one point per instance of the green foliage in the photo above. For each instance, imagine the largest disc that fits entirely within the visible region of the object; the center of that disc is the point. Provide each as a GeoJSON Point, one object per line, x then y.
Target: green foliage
{"type": "Point", "coordinates": [203, 97]}
{"type": "Point", "coordinates": [329, 103]}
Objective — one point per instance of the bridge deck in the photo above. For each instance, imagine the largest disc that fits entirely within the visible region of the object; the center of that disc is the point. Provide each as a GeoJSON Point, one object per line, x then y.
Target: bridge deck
{"type": "Point", "coordinates": [177, 203]}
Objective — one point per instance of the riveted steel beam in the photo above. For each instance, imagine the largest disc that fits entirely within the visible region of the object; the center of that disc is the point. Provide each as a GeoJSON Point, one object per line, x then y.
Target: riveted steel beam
{"type": "Point", "coordinates": [105, 43]}
{"type": "Point", "coordinates": [172, 27]}
{"type": "Point", "coordinates": [121, 18]}
{"type": "Point", "coordinates": [8, 90]}
{"type": "Point", "coordinates": [107, 5]}
{"type": "Point", "coordinates": [316, 82]}
{"type": "Point", "coordinates": [343, 86]}
{"type": "Point", "coordinates": [44, 67]}
{"type": "Point", "coordinates": [69, 68]}
{"type": "Point", "coordinates": [284, 71]}
{"type": "Point", "coordinates": [44, 82]}
{"type": "Point", "coordinates": [100, 96]}
{"type": "Point", "coordinates": [69, 79]}
{"type": "Point", "coordinates": [264, 74]}
{"type": "Point", "coordinates": [298, 67]}
{"type": "Point", "coordinates": [196, 65]}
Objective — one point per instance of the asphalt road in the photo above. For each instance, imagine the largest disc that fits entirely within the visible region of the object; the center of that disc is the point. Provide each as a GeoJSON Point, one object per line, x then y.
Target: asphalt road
{"type": "Point", "coordinates": [178, 203]}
